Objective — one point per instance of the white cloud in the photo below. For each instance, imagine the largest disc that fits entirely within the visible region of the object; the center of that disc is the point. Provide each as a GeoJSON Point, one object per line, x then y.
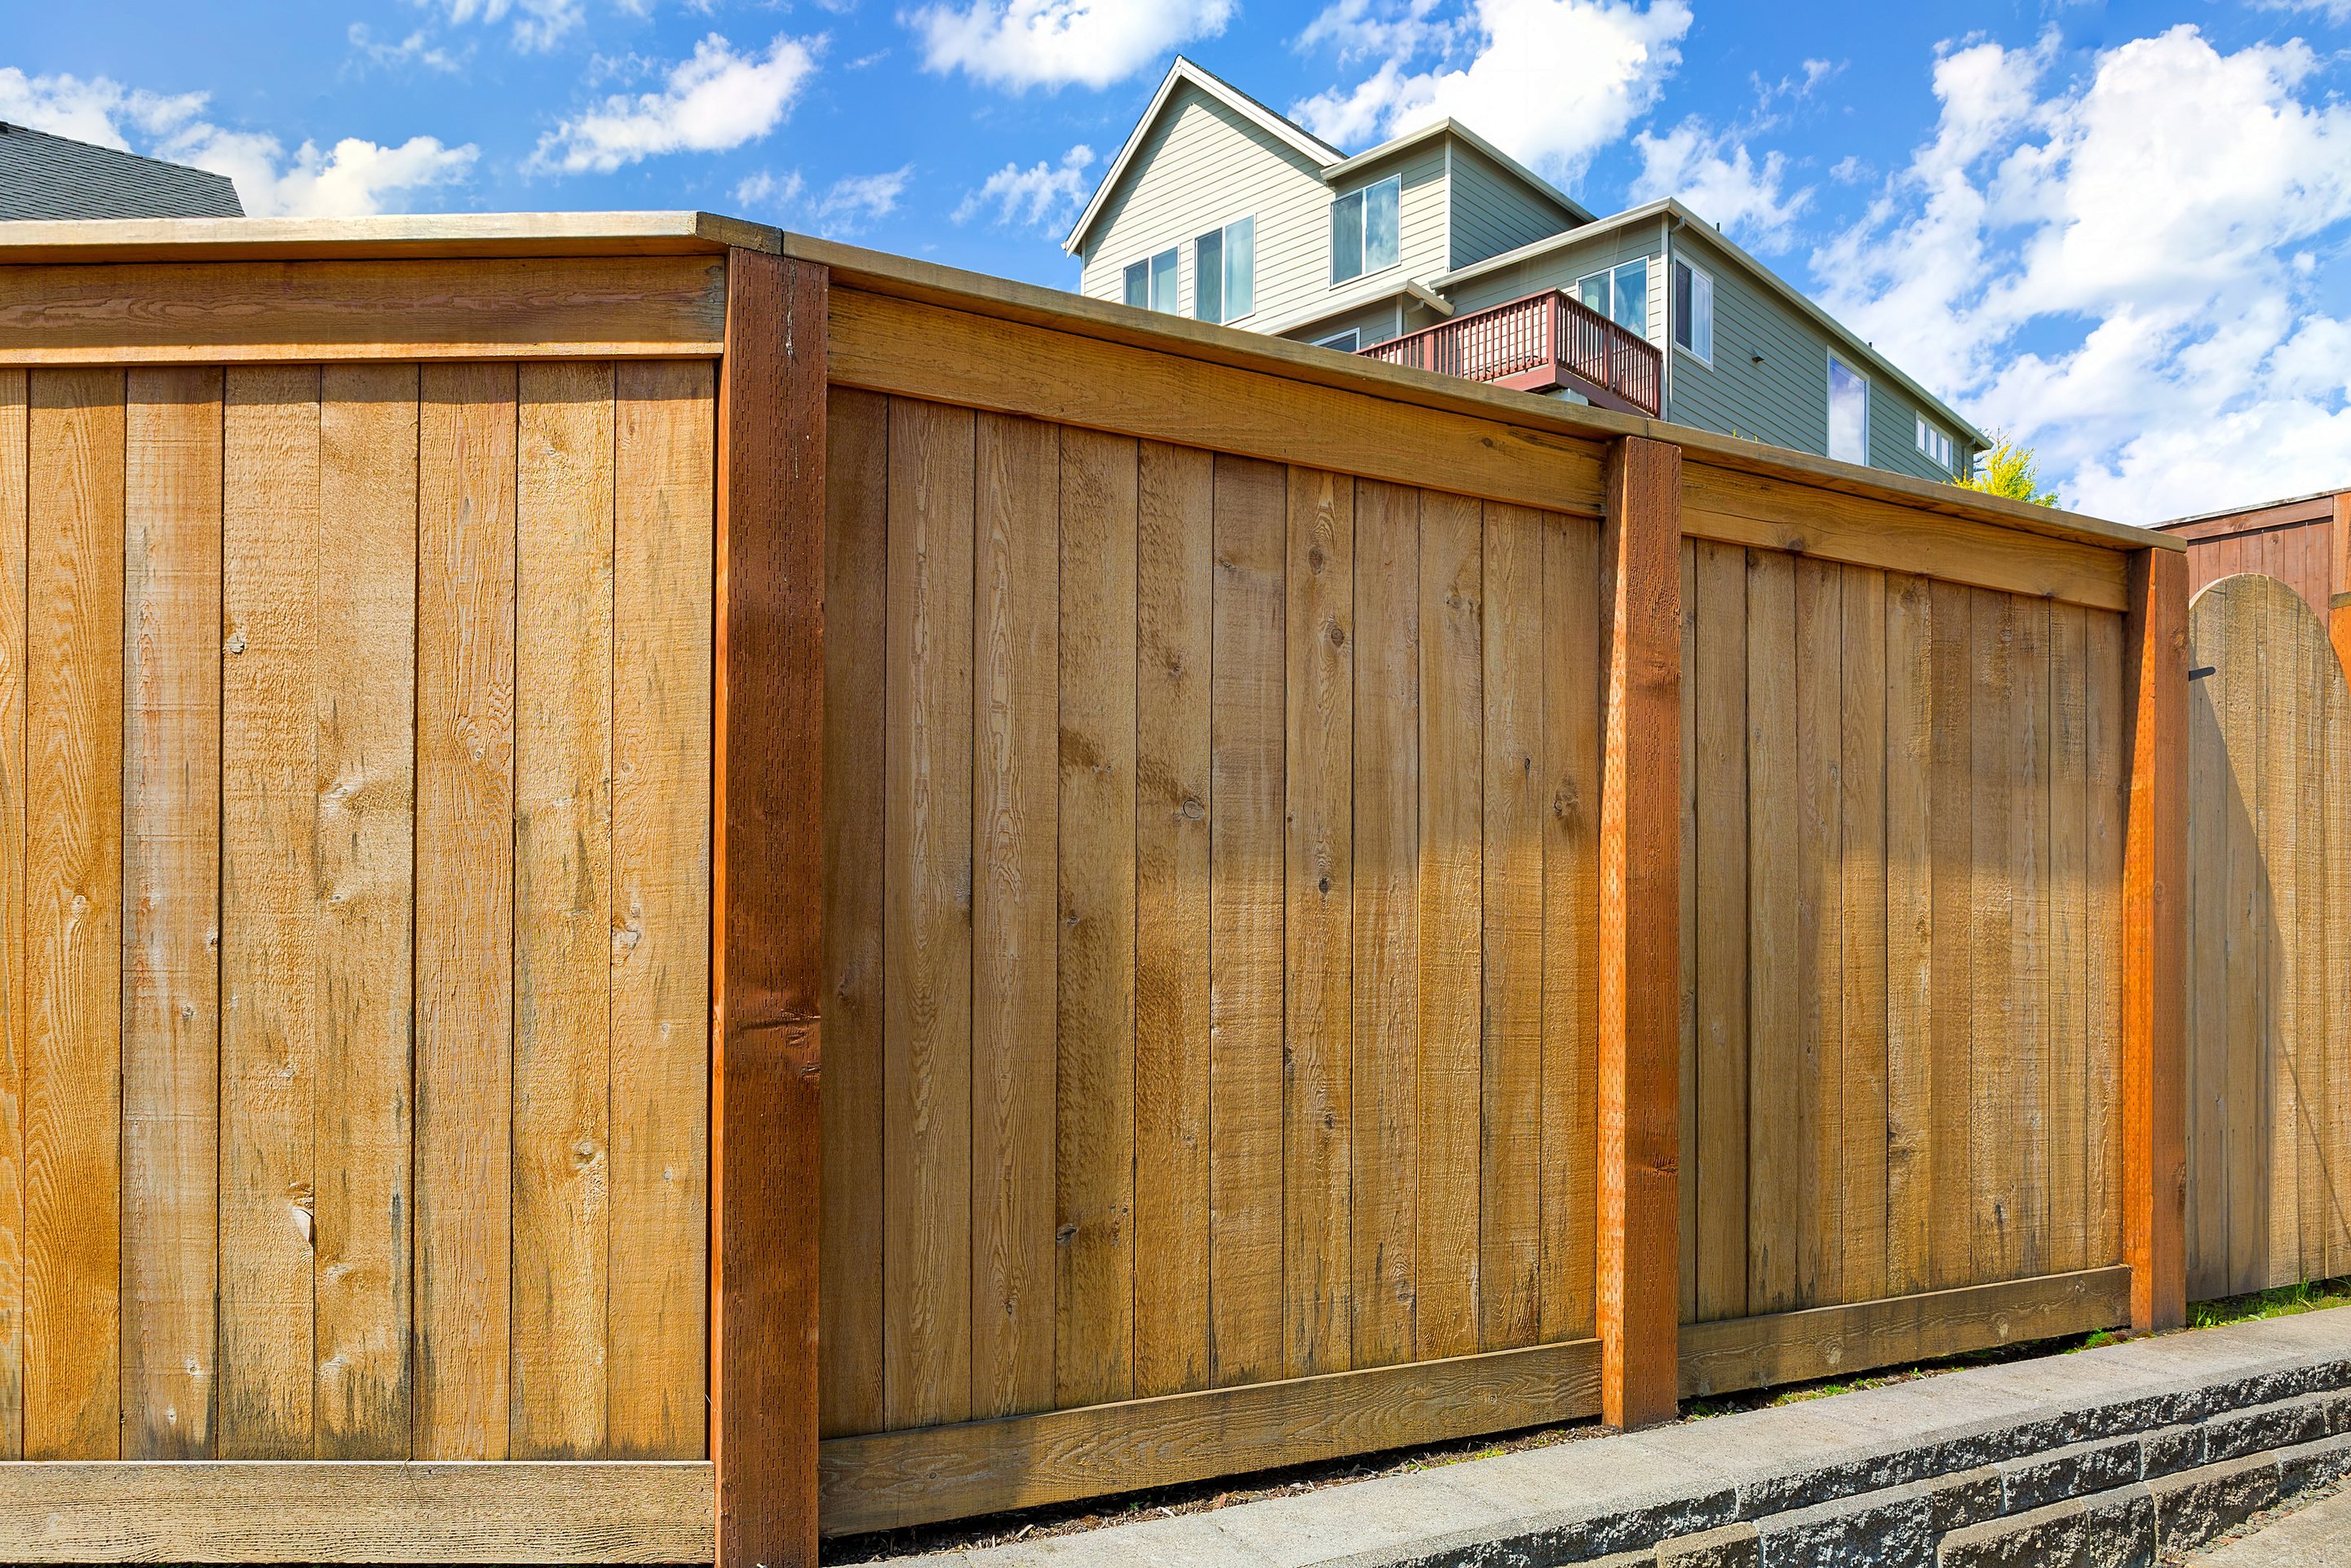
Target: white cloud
{"type": "Point", "coordinates": [714, 100]}
{"type": "Point", "coordinates": [2134, 290]}
{"type": "Point", "coordinates": [851, 204]}
{"type": "Point", "coordinates": [1504, 66]}
{"type": "Point", "coordinates": [537, 25]}
{"type": "Point", "coordinates": [416, 49]}
{"type": "Point", "coordinates": [1716, 177]}
{"type": "Point", "coordinates": [1036, 197]}
{"type": "Point", "coordinates": [768, 189]}
{"type": "Point", "coordinates": [1021, 44]}
{"type": "Point", "coordinates": [351, 178]}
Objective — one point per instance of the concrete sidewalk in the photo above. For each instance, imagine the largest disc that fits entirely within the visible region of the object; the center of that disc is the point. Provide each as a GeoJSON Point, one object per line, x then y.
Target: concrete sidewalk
{"type": "Point", "coordinates": [2318, 1536]}
{"type": "Point", "coordinates": [1876, 1467]}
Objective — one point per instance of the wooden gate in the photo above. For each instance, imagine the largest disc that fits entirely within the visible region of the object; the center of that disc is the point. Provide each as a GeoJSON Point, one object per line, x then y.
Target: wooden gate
{"type": "Point", "coordinates": [2269, 941]}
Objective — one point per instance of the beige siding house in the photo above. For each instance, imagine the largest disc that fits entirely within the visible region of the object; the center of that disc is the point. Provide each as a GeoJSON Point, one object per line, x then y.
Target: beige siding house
{"type": "Point", "coordinates": [1438, 249]}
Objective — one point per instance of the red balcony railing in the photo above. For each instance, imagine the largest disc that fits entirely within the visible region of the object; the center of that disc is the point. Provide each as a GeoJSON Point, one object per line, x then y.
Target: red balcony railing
{"type": "Point", "coordinates": [1540, 343]}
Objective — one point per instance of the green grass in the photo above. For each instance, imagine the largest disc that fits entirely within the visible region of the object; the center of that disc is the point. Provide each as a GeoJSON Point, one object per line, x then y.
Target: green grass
{"type": "Point", "coordinates": [2286, 1302]}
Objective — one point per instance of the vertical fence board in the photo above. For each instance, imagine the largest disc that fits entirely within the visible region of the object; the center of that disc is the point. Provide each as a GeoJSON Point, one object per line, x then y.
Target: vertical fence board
{"type": "Point", "coordinates": [73, 916]}
{"type": "Point", "coordinates": [1690, 969]}
{"type": "Point", "coordinates": [563, 911]}
{"type": "Point", "coordinates": [1571, 857]}
{"type": "Point", "coordinates": [1245, 922]}
{"type": "Point", "coordinates": [2248, 1220]}
{"type": "Point", "coordinates": [1318, 1121]}
{"type": "Point", "coordinates": [1994, 1060]}
{"type": "Point", "coordinates": [1452, 807]}
{"type": "Point", "coordinates": [1819, 647]}
{"type": "Point", "coordinates": [2313, 1087]}
{"type": "Point", "coordinates": [926, 941]}
{"type": "Point", "coordinates": [2029, 949]}
{"type": "Point", "coordinates": [856, 537]}
{"type": "Point", "coordinates": [1509, 1265]}
{"type": "Point", "coordinates": [2102, 1139]}
{"type": "Point", "coordinates": [1951, 1025]}
{"type": "Point", "coordinates": [171, 990]}
{"type": "Point", "coordinates": [1094, 1168]}
{"type": "Point", "coordinates": [1864, 875]}
{"type": "Point", "coordinates": [13, 658]}
{"type": "Point", "coordinates": [269, 930]}
{"type": "Point", "coordinates": [1014, 935]}
{"type": "Point", "coordinates": [1776, 1118]}
{"type": "Point", "coordinates": [1175, 574]}
{"type": "Point", "coordinates": [657, 1275]}
{"type": "Point", "coordinates": [464, 907]}
{"type": "Point", "coordinates": [1385, 955]}
{"type": "Point", "coordinates": [2335, 794]}
{"type": "Point", "coordinates": [1719, 671]}
{"type": "Point", "coordinates": [364, 704]}
{"type": "Point", "coordinates": [2068, 991]}
{"type": "Point", "coordinates": [1910, 864]}
{"type": "Point", "coordinates": [2281, 766]}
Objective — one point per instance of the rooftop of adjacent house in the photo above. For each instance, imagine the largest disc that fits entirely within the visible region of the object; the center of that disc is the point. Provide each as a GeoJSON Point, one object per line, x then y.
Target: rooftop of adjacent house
{"type": "Point", "coordinates": [1333, 164]}
{"type": "Point", "coordinates": [48, 177]}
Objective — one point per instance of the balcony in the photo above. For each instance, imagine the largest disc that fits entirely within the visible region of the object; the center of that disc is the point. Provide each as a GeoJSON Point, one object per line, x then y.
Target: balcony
{"type": "Point", "coordinates": [1544, 342]}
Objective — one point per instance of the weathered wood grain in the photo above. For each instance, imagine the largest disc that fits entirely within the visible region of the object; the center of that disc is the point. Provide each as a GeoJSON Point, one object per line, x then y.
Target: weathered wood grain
{"type": "Point", "coordinates": [363, 691]}
{"type": "Point", "coordinates": [1318, 907]}
{"type": "Point", "coordinates": [1094, 1257]}
{"type": "Point", "coordinates": [13, 656]}
{"type": "Point", "coordinates": [1015, 668]}
{"type": "Point", "coordinates": [1175, 572]}
{"type": "Point", "coordinates": [73, 916]}
{"type": "Point", "coordinates": [170, 982]}
{"type": "Point", "coordinates": [464, 908]}
{"type": "Point", "coordinates": [269, 913]}
{"type": "Point", "coordinates": [563, 909]}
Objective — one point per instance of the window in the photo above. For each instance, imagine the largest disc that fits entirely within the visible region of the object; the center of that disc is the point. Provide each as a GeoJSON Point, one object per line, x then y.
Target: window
{"type": "Point", "coordinates": [1151, 283]}
{"type": "Point", "coordinates": [1364, 229]}
{"type": "Point", "coordinates": [1346, 342]}
{"type": "Point", "coordinates": [1620, 294]}
{"type": "Point", "coordinates": [1848, 413]}
{"type": "Point", "coordinates": [1224, 272]}
{"type": "Point", "coordinates": [1934, 442]}
{"type": "Point", "coordinates": [1694, 311]}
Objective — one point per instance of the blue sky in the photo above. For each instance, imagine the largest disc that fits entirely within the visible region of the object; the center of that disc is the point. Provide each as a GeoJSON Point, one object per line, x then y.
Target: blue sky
{"type": "Point", "coordinates": [2118, 231]}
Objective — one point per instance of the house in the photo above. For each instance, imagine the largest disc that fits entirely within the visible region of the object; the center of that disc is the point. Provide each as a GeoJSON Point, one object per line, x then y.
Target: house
{"type": "Point", "coordinates": [45, 176]}
{"type": "Point", "coordinates": [1437, 249]}
{"type": "Point", "coordinates": [2304, 540]}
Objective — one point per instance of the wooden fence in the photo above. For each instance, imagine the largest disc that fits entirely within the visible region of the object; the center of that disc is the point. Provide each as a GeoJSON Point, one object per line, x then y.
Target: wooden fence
{"type": "Point", "coordinates": [1336, 907]}
{"type": "Point", "coordinates": [2269, 905]}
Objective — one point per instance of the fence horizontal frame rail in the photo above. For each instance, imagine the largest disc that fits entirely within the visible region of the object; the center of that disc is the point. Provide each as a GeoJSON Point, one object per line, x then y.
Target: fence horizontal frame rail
{"type": "Point", "coordinates": [356, 1511]}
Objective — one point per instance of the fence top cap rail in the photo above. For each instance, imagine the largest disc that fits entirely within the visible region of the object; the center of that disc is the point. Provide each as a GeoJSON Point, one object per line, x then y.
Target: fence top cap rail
{"type": "Point", "coordinates": [435, 235]}
{"type": "Point", "coordinates": [926, 282]}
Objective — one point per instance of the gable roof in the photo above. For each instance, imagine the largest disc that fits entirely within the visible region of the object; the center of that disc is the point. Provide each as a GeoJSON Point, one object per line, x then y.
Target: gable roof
{"type": "Point", "coordinates": [1533, 182]}
{"type": "Point", "coordinates": [1186, 73]}
{"type": "Point", "coordinates": [45, 176]}
{"type": "Point", "coordinates": [1670, 208]}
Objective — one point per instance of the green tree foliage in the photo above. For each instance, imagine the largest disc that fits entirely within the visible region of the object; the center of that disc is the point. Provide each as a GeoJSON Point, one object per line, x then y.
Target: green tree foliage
{"type": "Point", "coordinates": [2010, 470]}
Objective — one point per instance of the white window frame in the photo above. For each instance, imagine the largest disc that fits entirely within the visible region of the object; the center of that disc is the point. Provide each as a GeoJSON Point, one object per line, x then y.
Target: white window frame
{"type": "Point", "coordinates": [1828, 407]}
{"type": "Point", "coordinates": [1329, 221]}
{"type": "Point", "coordinates": [1699, 276]}
{"type": "Point", "coordinates": [1610, 272]}
{"type": "Point", "coordinates": [1224, 232]}
{"type": "Point", "coordinates": [1937, 447]}
{"type": "Point", "coordinates": [1174, 281]}
{"type": "Point", "coordinates": [1346, 342]}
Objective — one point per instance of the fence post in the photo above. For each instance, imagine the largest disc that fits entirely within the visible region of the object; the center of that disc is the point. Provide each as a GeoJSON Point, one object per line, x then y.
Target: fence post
{"type": "Point", "coordinates": [2338, 587]}
{"type": "Point", "coordinates": [2155, 942]}
{"type": "Point", "coordinates": [765, 855]}
{"type": "Point", "coordinates": [1639, 1295]}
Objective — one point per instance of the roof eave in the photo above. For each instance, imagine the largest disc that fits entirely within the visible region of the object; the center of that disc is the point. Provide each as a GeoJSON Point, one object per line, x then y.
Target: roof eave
{"type": "Point", "coordinates": [1185, 70]}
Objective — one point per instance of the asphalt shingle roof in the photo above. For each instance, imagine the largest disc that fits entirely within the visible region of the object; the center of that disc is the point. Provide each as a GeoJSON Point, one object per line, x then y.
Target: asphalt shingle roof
{"type": "Point", "coordinates": [45, 176]}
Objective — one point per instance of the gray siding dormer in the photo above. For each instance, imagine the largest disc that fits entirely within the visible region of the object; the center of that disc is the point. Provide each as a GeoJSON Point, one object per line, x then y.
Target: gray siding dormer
{"type": "Point", "coordinates": [1493, 211]}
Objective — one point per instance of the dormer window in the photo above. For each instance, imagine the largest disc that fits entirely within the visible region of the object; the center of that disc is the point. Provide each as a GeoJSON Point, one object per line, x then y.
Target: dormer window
{"type": "Point", "coordinates": [1934, 442]}
{"type": "Point", "coordinates": [1364, 229]}
{"type": "Point", "coordinates": [1151, 283]}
